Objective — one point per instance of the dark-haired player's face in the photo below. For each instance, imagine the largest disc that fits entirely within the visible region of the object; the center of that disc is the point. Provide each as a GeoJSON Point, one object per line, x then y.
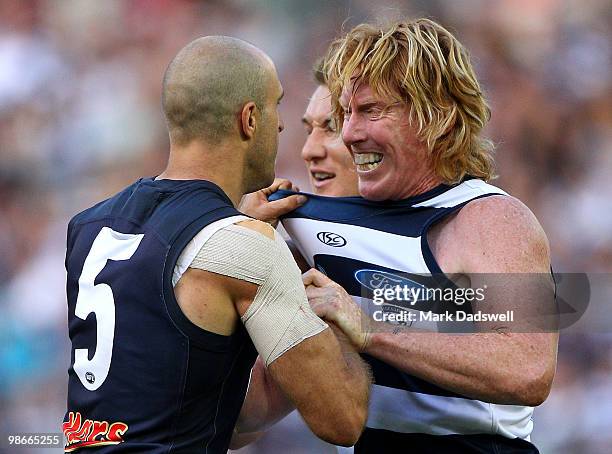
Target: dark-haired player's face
{"type": "Point", "coordinates": [330, 165]}
{"type": "Point", "coordinates": [386, 150]}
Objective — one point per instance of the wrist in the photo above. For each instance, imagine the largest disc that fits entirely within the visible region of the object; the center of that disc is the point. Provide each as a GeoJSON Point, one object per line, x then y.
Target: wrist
{"type": "Point", "coordinates": [374, 336]}
{"type": "Point", "coordinates": [366, 341]}
{"type": "Point", "coordinates": [370, 329]}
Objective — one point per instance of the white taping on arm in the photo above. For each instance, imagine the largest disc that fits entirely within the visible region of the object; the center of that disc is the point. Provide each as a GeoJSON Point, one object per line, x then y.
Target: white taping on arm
{"type": "Point", "coordinates": [279, 317]}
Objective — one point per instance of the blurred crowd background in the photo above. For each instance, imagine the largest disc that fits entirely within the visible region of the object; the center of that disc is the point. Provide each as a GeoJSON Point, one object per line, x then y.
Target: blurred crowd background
{"type": "Point", "coordinates": [80, 118]}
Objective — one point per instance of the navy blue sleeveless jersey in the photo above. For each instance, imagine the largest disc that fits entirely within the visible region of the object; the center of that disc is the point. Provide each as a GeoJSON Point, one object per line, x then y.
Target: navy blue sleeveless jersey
{"type": "Point", "coordinates": [143, 378]}
{"type": "Point", "coordinates": [365, 245]}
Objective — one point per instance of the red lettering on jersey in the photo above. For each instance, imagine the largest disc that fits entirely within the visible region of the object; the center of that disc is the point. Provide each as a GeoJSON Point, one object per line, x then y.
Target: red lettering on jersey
{"type": "Point", "coordinates": [83, 432]}
{"type": "Point", "coordinates": [90, 433]}
{"type": "Point", "coordinates": [116, 431]}
{"type": "Point", "coordinates": [72, 426]}
{"type": "Point", "coordinates": [99, 428]}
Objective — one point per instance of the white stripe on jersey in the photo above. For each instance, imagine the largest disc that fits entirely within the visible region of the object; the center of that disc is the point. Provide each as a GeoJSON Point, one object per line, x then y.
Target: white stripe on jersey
{"type": "Point", "coordinates": [402, 253]}
{"type": "Point", "coordinates": [443, 415]}
{"type": "Point", "coordinates": [462, 193]}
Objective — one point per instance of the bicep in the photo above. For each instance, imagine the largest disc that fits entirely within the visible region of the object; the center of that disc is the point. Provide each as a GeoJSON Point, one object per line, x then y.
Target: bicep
{"type": "Point", "coordinates": [505, 253]}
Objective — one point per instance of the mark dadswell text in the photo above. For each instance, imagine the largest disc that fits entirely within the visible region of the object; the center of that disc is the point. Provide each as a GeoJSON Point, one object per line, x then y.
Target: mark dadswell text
{"type": "Point", "coordinates": [428, 316]}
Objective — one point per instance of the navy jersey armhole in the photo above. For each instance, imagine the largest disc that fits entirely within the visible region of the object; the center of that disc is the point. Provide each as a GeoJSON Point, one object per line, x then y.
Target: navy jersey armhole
{"type": "Point", "coordinates": [205, 339]}
{"type": "Point", "coordinates": [430, 260]}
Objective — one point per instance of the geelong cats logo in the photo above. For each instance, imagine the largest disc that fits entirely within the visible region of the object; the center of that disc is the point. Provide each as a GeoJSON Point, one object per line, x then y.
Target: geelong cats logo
{"type": "Point", "coordinates": [331, 239]}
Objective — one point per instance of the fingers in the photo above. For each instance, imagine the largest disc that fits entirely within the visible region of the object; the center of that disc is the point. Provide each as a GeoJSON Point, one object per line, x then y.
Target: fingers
{"type": "Point", "coordinates": [313, 292]}
{"type": "Point", "coordinates": [280, 183]}
{"type": "Point", "coordinates": [283, 206]}
{"type": "Point", "coordinates": [320, 310]}
{"type": "Point", "coordinates": [316, 278]}
{"type": "Point", "coordinates": [320, 306]}
{"type": "Point", "coordinates": [286, 185]}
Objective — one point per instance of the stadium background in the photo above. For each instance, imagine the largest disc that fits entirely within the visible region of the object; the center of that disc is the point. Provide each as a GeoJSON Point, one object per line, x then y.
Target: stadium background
{"type": "Point", "coordinates": [80, 118]}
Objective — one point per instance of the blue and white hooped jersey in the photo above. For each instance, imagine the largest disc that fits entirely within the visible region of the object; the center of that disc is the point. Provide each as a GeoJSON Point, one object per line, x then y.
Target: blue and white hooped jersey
{"type": "Point", "coordinates": [350, 239]}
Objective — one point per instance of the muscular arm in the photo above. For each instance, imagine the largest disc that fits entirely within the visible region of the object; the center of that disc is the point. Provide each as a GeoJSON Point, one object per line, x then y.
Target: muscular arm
{"type": "Point", "coordinates": [514, 369]}
{"type": "Point", "coordinates": [264, 405]}
{"type": "Point", "coordinates": [491, 235]}
{"type": "Point", "coordinates": [498, 365]}
{"type": "Point", "coordinates": [331, 395]}
{"type": "Point", "coordinates": [330, 391]}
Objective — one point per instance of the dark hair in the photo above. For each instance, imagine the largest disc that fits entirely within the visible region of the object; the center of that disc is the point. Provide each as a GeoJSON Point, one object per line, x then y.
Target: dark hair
{"type": "Point", "coordinates": [207, 83]}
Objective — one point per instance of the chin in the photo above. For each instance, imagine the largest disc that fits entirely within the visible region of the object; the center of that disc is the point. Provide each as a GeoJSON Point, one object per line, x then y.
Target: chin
{"type": "Point", "coordinates": [329, 192]}
{"type": "Point", "coordinates": [371, 192]}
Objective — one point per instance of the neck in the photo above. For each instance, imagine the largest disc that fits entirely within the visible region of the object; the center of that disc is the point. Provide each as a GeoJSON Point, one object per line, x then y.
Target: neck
{"type": "Point", "coordinates": [220, 164]}
{"type": "Point", "coordinates": [426, 183]}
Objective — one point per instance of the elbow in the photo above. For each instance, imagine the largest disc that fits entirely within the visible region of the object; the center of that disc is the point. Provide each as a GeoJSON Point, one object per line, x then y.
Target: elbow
{"type": "Point", "coordinates": [353, 427]}
{"type": "Point", "coordinates": [343, 430]}
{"type": "Point", "coordinates": [531, 388]}
{"type": "Point", "coordinates": [536, 392]}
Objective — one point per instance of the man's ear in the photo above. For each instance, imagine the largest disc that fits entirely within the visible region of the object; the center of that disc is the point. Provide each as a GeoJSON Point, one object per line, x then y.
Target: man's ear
{"type": "Point", "coordinates": [248, 123]}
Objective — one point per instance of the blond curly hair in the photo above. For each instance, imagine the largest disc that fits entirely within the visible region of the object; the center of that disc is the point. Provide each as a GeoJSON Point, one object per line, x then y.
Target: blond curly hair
{"type": "Point", "coordinates": [423, 65]}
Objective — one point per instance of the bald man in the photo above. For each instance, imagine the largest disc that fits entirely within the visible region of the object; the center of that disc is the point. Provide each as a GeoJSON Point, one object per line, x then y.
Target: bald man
{"type": "Point", "coordinates": [172, 292]}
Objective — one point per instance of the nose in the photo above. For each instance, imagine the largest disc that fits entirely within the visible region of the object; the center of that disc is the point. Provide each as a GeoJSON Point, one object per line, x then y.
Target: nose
{"type": "Point", "coordinates": [314, 147]}
{"type": "Point", "coordinates": [353, 130]}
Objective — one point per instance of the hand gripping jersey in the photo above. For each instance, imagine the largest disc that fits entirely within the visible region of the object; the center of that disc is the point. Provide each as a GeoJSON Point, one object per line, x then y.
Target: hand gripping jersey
{"type": "Point", "coordinates": [143, 377]}
{"type": "Point", "coordinates": [365, 245]}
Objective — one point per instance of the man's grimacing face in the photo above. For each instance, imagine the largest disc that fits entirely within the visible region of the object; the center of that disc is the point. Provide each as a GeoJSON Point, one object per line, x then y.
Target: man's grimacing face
{"type": "Point", "coordinates": [387, 153]}
{"type": "Point", "coordinates": [330, 166]}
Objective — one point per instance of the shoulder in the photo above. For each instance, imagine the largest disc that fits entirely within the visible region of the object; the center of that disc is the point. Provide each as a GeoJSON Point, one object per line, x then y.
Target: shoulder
{"type": "Point", "coordinates": [247, 243]}
{"type": "Point", "coordinates": [497, 211]}
{"type": "Point", "coordinates": [237, 258]}
{"type": "Point", "coordinates": [500, 234]}
{"type": "Point", "coordinates": [258, 226]}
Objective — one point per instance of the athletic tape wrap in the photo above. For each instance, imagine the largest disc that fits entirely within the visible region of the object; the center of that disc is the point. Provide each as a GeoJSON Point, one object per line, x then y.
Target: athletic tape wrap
{"type": "Point", "coordinates": [279, 317]}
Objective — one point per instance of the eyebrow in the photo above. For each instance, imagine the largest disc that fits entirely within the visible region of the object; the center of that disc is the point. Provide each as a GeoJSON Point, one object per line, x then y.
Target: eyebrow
{"type": "Point", "coordinates": [364, 106]}
{"type": "Point", "coordinates": [327, 120]}
{"type": "Point", "coordinates": [368, 104]}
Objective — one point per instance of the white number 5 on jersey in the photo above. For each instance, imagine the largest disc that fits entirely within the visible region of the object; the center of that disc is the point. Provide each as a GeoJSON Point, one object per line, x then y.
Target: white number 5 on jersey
{"type": "Point", "coordinates": [99, 300]}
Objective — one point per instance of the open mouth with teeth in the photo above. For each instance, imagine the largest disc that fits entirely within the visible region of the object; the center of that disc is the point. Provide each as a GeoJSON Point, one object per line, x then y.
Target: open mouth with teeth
{"type": "Point", "coordinates": [322, 176]}
{"type": "Point", "coordinates": [366, 162]}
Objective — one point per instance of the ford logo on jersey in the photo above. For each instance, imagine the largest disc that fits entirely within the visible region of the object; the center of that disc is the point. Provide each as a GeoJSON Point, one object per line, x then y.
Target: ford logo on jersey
{"type": "Point", "coordinates": [331, 239]}
{"type": "Point", "coordinates": [382, 280]}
